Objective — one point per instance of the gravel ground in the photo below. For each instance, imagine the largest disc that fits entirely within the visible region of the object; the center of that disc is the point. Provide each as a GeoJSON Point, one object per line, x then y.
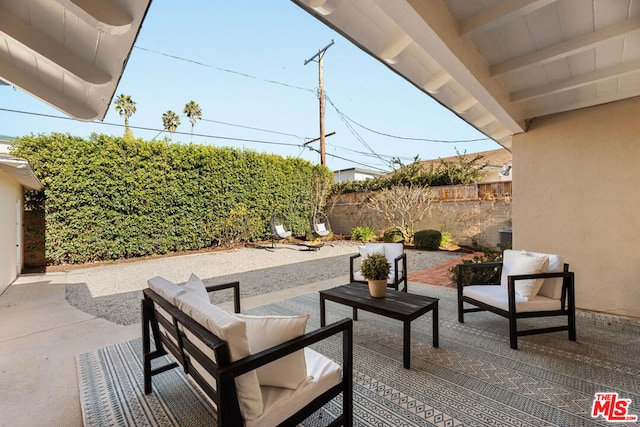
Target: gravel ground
{"type": "Point", "coordinates": [114, 291]}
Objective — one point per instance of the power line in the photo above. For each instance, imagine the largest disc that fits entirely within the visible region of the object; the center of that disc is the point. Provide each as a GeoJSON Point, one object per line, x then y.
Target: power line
{"type": "Point", "coordinates": [443, 141]}
{"type": "Point", "coordinates": [258, 129]}
{"type": "Point", "coordinates": [225, 70]}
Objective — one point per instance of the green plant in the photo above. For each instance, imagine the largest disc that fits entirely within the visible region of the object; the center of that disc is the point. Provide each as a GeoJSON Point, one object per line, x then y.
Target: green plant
{"type": "Point", "coordinates": [446, 239]}
{"type": "Point", "coordinates": [111, 197]}
{"type": "Point", "coordinates": [393, 235]}
{"type": "Point", "coordinates": [427, 239]}
{"type": "Point", "coordinates": [363, 234]}
{"type": "Point", "coordinates": [375, 267]}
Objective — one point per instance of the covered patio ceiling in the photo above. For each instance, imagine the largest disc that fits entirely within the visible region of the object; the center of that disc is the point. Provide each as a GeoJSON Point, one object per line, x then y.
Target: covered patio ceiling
{"type": "Point", "coordinates": [498, 64]}
{"type": "Point", "coordinates": [69, 53]}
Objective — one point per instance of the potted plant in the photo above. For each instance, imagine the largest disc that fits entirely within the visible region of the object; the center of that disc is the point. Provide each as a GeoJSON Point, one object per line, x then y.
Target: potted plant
{"type": "Point", "coordinates": [375, 268]}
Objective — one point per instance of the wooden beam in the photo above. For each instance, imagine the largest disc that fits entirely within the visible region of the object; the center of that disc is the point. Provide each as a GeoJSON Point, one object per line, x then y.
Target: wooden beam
{"type": "Point", "coordinates": [498, 15]}
{"type": "Point", "coordinates": [578, 81]}
{"type": "Point", "coordinates": [567, 48]}
{"type": "Point", "coordinates": [49, 49]}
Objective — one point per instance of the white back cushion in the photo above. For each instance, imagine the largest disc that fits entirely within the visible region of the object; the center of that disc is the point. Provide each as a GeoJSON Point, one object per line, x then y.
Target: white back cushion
{"type": "Point", "coordinates": [320, 227]}
{"type": "Point", "coordinates": [233, 331]}
{"type": "Point", "coordinates": [267, 331]}
{"type": "Point", "coordinates": [527, 264]}
{"type": "Point", "coordinates": [551, 288]}
{"type": "Point", "coordinates": [393, 251]}
{"type": "Point", "coordinates": [166, 289]}
{"type": "Point", "coordinates": [280, 230]}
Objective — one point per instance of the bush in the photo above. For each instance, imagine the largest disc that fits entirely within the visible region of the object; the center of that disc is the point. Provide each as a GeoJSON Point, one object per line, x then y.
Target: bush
{"type": "Point", "coordinates": [363, 234]}
{"type": "Point", "coordinates": [427, 239]}
{"type": "Point", "coordinates": [111, 197]}
{"type": "Point", "coordinates": [393, 235]}
{"type": "Point", "coordinates": [446, 240]}
{"type": "Point", "coordinates": [479, 276]}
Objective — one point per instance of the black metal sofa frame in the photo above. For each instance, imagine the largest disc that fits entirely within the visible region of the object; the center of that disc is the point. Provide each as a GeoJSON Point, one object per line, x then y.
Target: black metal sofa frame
{"type": "Point", "coordinates": [567, 302]}
{"type": "Point", "coordinates": [222, 369]}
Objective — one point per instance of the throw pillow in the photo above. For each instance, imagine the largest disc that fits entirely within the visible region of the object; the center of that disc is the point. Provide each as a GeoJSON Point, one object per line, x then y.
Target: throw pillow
{"type": "Point", "coordinates": [267, 331]}
{"type": "Point", "coordinates": [526, 264]}
{"type": "Point", "coordinates": [280, 230]}
{"type": "Point", "coordinates": [195, 285]}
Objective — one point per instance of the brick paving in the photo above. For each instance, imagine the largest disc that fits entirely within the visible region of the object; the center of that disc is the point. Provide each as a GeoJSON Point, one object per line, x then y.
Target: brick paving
{"type": "Point", "coordinates": [439, 275]}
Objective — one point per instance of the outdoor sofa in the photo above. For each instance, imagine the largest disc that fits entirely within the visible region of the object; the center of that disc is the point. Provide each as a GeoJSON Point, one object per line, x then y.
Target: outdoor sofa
{"type": "Point", "coordinates": [257, 370]}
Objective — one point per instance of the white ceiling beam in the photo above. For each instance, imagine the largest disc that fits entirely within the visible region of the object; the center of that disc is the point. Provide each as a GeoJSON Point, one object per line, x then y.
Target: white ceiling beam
{"type": "Point", "coordinates": [323, 7]}
{"type": "Point", "coordinates": [575, 82]}
{"type": "Point", "coordinates": [567, 48]}
{"type": "Point", "coordinates": [48, 48]}
{"type": "Point", "coordinates": [591, 102]}
{"type": "Point", "coordinates": [53, 97]}
{"type": "Point", "coordinates": [432, 27]}
{"type": "Point", "coordinates": [464, 104]}
{"type": "Point", "coordinates": [498, 15]}
{"type": "Point", "coordinates": [484, 120]}
{"type": "Point", "coordinates": [104, 15]}
{"type": "Point", "coordinates": [395, 47]}
{"type": "Point", "coordinates": [437, 81]}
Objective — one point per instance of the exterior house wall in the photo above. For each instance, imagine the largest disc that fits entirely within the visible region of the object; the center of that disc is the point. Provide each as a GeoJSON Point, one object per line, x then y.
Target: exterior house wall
{"type": "Point", "coordinates": [11, 194]}
{"type": "Point", "coordinates": [576, 193]}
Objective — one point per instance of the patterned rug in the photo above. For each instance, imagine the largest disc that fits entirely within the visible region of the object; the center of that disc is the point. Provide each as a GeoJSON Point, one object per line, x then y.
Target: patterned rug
{"type": "Point", "coordinates": [473, 379]}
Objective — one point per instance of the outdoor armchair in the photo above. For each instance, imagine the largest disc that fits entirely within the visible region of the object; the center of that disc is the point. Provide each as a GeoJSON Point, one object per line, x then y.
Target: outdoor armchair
{"type": "Point", "coordinates": [532, 285]}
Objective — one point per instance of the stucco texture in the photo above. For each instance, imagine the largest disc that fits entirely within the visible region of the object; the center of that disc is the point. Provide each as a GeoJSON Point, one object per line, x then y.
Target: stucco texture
{"type": "Point", "coordinates": [576, 193]}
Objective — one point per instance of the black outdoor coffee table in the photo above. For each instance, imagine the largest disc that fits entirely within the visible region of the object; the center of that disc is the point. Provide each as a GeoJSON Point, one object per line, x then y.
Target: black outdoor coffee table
{"type": "Point", "coordinates": [396, 305]}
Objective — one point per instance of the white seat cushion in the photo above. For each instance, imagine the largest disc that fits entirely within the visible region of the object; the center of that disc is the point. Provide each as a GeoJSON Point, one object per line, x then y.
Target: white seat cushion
{"type": "Point", "coordinates": [267, 331]}
{"type": "Point", "coordinates": [281, 403]}
{"type": "Point", "coordinates": [496, 296]}
{"type": "Point", "coordinates": [233, 331]}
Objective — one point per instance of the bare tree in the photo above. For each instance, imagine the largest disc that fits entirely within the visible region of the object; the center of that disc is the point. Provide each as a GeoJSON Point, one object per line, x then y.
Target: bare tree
{"type": "Point", "coordinates": [403, 206]}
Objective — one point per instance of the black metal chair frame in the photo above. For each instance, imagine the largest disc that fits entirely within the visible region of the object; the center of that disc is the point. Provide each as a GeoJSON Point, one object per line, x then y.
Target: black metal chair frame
{"type": "Point", "coordinates": [222, 369]}
{"type": "Point", "coordinates": [399, 277]}
{"type": "Point", "coordinates": [567, 302]}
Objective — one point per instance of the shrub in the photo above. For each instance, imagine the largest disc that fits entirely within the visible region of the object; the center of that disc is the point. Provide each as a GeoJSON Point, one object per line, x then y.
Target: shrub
{"type": "Point", "coordinates": [363, 234]}
{"type": "Point", "coordinates": [393, 235]}
{"type": "Point", "coordinates": [479, 276]}
{"type": "Point", "coordinates": [110, 197]}
{"type": "Point", "coordinates": [375, 267]}
{"type": "Point", "coordinates": [446, 240]}
{"type": "Point", "coordinates": [427, 239]}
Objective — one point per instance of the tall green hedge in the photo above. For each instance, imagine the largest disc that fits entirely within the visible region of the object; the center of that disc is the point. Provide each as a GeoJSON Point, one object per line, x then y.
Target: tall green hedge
{"type": "Point", "coordinates": [108, 197]}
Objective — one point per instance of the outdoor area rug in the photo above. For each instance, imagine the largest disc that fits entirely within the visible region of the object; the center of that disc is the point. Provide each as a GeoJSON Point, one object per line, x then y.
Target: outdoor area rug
{"type": "Point", "coordinates": [473, 379]}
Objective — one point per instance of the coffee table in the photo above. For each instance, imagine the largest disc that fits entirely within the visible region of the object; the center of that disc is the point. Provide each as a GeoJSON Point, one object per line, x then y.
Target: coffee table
{"type": "Point", "coordinates": [396, 305]}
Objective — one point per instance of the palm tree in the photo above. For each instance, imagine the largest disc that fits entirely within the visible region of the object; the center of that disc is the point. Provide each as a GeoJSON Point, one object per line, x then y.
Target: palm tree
{"type": "Point", "coordinates": [126, 107]}
{"type": "Point", "coordinates": [170, 121]}
{"type": "Point", "coordinates": [193, 112]}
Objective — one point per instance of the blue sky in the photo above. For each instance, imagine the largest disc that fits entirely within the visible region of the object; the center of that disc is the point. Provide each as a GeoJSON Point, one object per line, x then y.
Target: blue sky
{"type": "Point", "coordinates": [242, 61]}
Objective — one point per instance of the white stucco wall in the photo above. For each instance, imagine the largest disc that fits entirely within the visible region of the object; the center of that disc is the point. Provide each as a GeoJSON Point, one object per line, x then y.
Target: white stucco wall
{"type": "Point", "coordinates": [576, 189]}
{"type": "Point", "coordinates": [10, 195]}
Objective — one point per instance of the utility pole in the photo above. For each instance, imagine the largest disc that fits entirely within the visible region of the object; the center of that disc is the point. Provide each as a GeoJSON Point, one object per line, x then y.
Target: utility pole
{"type": "Point", "coordinates": [320, 55]}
